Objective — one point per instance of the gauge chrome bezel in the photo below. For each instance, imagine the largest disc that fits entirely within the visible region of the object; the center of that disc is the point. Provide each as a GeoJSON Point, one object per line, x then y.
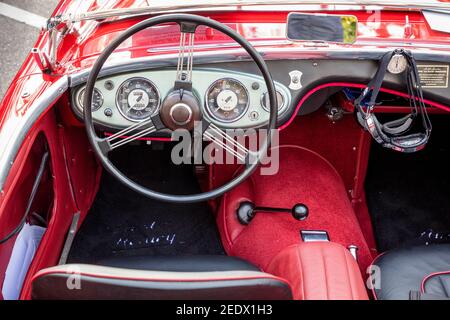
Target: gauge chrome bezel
{"type": "Point", "coordinates": [282, 109]}
{"type": "Point", "coordinates": [208, 108]}
{"type": "Point", "coordinates": [158, 103]}
{"type": "Point", "coordinates": [80, 104]}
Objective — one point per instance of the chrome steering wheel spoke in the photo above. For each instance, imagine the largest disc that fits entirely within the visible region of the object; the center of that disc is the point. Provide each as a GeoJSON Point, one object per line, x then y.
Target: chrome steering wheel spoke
{"type": "Point", "coordinates": [131, 133]}
{"type": "Point", "coordinates": [227, 142]}
{"type": "Point", "coordinates": [186, 52]}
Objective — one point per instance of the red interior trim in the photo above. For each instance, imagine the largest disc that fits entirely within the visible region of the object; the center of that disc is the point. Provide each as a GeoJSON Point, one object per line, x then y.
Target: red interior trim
{"type": "Point", "coordinates": [431, 275]}
{"type": "Point", "coordinates": [355, 85]}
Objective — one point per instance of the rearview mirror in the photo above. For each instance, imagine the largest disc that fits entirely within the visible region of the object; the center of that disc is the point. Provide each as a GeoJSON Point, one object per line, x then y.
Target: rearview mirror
{"type": "Point", "coordinates": [322, 27]}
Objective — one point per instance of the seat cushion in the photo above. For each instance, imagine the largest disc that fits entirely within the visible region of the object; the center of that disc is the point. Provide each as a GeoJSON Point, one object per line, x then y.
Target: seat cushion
{"type": "Point", "coordinates": [420, 268]}
{"type": "Point", "coordinates": [320, 271]}
{"type": "Point", "coordinates": [185, 278]}
{"type": "Point", "coordinates": [191, 263]}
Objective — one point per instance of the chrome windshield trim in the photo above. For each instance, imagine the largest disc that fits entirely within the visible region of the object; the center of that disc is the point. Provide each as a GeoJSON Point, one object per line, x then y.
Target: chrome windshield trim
{"type": "Point", "coordinates": [227, 45]}
{"type": "Point", "coordinates": [15, 130]}
{"type": "Point", "coordinates": [168, 6]}
{"type": "Point", "coordinates": [238, 55]}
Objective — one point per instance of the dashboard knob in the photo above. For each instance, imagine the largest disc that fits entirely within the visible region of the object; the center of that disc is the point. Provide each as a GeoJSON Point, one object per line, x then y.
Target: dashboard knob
{"type": "Point", "coordinates": [108, 112]}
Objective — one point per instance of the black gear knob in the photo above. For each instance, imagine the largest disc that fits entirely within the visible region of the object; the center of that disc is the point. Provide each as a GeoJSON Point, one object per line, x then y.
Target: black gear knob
{"type": "Point", "coordinates": [247, 211]}
{"type": "Point", "coordinates": [300, 211]}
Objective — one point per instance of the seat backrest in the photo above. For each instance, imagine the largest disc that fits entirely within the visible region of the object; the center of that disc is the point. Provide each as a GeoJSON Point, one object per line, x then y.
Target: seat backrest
{"type": "Point", "coordinates": [80, 281]}
{"type": "Point", "coordinates": [320, 271]}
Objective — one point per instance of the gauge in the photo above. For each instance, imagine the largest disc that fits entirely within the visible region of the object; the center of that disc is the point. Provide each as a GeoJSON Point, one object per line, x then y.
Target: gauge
{"type": "Point", "coordinates": [265, 101]}
{"type": "Point", "coordinates": [227, 100]}
{"type": "Point", "coordinates": [397, 64]}
{"type": "Point", "coordinates": [137, 99]}
{"type": "Point", "coordinates": [97, 99]}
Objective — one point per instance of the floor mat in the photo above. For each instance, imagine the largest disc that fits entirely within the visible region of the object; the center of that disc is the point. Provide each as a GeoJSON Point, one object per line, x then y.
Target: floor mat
{"type": "Point", "coordinates": [408, 195]}
{"type": "Point", "coordinates": [123, 223]}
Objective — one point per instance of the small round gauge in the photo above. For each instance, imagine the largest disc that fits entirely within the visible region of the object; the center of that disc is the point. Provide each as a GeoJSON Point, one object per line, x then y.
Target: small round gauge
{"type": "Point", "coordinates": [97, 99]}
{"type": "Point", "coordinates": [227, 100]}
{"type": "Point", "coordinates": [265, 101]}
{"type": "Point", "coordinates": [397, 64]}
{"type": "Point", "coordinates": [137, 99]}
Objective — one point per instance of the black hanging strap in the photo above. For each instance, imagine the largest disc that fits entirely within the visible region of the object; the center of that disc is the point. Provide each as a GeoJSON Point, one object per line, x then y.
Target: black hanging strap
{"type": "Point", "coordinates": [393, 134]}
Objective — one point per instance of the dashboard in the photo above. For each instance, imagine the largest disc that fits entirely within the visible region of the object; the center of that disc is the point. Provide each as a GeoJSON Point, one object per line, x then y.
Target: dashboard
{"type": "Point", "coordinates": [229, 99]}
{"type": "Point", "coordinates": [231, 93]}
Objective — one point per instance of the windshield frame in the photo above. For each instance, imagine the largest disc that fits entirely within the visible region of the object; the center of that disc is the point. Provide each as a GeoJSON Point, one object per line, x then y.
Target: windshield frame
{"type": "Point", "coordinates": [173, 6]}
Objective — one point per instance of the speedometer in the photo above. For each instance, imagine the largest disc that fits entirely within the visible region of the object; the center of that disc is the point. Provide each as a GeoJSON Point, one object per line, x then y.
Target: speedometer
{"type": "Point", "coordinates": [227, 100]}
{"type": "Point", "coordinates": [137, 99]}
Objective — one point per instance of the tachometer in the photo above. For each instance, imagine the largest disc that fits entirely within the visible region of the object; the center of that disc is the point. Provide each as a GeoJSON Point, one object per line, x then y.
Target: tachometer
{"type": "Point", "coordinates": [227, 100]}
{"type": "Point", "coordinates": [97, 99]}
{"type": "Point", "coordinates": [137, 99]}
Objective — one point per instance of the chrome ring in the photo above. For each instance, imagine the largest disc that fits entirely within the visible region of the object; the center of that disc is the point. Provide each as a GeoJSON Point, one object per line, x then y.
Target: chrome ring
{"type": "Point", "coordinates": [180, 105]}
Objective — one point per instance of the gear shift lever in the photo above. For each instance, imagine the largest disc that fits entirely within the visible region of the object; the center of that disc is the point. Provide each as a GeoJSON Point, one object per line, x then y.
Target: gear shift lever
{"type": "Point", "coordinates": [247, 211]}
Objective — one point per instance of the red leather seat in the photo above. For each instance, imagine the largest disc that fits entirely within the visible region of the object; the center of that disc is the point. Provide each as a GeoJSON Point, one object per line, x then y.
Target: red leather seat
{"type": "Point", "coordinates": [319, 271]}
{"type": "Point", "coordinates": [160, 278]}
{"type": "Point", "coordinates": [306, 271]}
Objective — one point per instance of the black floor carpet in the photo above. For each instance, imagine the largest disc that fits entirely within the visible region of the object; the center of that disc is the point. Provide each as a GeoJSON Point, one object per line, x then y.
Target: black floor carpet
{"type": "Point", "coordinates": [408, 195]}
{"type": "Point", "coordinates": [124, 223]}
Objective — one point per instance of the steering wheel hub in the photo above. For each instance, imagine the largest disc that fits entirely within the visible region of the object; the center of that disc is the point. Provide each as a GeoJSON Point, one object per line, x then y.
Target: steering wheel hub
{"type": "Point", "coordinates": [181, 114]}
{"type": "Point", "coordinates": [180, 110]}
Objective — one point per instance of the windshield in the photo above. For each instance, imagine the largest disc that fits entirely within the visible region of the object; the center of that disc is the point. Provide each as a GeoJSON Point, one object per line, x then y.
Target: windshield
{"type": "Point", "coordinates": [83, 6]}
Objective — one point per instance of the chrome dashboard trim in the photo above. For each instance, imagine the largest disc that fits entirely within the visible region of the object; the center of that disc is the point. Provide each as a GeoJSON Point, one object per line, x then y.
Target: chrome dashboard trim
{"type": "Point", "coordinates": [226, 45]}
{"type": "Point", "coordinates": [15, 130]}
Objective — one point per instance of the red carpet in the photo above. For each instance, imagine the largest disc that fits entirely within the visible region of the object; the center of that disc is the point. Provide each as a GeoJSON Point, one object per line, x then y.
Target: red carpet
{"type": "Point", "coordinates": [305, 177]}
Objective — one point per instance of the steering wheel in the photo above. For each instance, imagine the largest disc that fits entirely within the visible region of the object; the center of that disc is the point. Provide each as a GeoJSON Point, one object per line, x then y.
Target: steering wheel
{"type": "Point", "coordinates": [180, 109]}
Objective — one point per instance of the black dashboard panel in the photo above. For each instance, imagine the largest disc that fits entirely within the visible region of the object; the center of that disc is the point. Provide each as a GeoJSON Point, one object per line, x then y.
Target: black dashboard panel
{"type": "Point", "coordinates": [318, 72]}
